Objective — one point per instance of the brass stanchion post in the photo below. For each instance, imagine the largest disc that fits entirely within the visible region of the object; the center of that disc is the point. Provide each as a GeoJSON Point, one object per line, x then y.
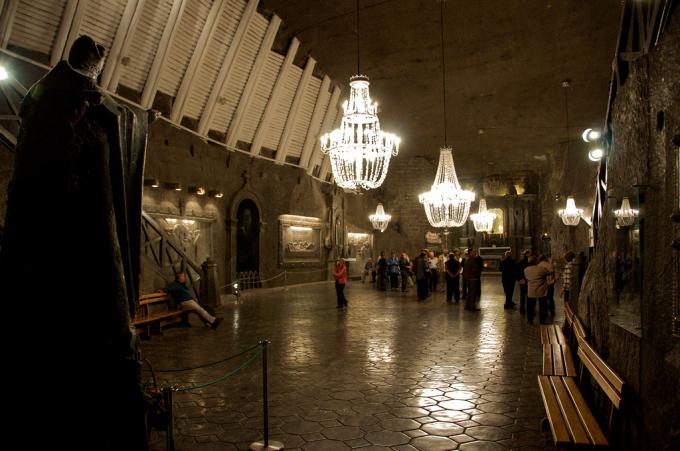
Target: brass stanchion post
{"type": "Point", "coordinates": [265, 445]}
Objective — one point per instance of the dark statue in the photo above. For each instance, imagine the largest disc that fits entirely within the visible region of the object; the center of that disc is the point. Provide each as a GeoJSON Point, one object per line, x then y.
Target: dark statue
{"type": "Point", "coordinates": [248, 237]}
{"type": "Point", "coordinates": [70, 261]}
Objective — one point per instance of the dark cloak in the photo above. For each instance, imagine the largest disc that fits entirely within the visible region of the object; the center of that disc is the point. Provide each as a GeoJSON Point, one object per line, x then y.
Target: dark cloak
{"type": "Point", "coordinates": [70, 262]}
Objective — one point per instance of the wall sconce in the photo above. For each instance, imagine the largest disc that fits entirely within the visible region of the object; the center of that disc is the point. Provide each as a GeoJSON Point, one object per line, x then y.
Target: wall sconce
{"type": "Point", "coordinates": [153, 183]}
{"type": "Point", "coordinates": [596, 154]}
{"type": "Point", "coordinates": [570, 215]}
{"type": "Point", "coordinates": [625, 216]}
{"type": "Point", "coordinates": [174, 186]}
{"type": "Point", "coordinates": [590, 135]}
{"type": "Point", "coordinates": [198, 190]}
{"type": "Point", "coordinates": [215, 193]}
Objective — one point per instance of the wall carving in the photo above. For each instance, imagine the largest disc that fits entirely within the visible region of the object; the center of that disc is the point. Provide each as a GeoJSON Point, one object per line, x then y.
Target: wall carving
{"type": "Point", "coordinates": [300, 241]}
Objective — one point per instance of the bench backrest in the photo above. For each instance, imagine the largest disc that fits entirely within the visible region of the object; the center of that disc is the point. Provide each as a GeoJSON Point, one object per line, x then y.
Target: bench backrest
{"type": "Point", "coordinates": [579, 329]}
{"type": "Point", "coordinates": [153, 298]}
{"type": "Point", "coordinates": [610, 382]}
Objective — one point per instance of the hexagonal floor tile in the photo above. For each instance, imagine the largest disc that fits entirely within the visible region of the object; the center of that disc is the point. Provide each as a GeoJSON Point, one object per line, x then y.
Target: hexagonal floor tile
{"type": "Point", "coordinates": [432, 443]}
{"type": "Point", "coordinates": [442, 428]}
{"type": "Point", "coordinates": [488, 433]}
{"type": "Point", "coordinates": [387, 438]}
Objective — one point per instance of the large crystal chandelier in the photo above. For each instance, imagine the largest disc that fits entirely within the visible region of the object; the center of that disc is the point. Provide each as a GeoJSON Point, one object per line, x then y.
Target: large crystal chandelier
{"type": "Point", "coordinates": [359, 151]}
{"type": "Point", "coordinates": [446, 204]}
{"type": "Point", "coordinates": [483, 219]}
{"type": "Point", "coordinates": [571, 215]}
{"type": "Point", "coordinates": [625, 216]}
{"type": "Point", "coordinates": [380, 219]}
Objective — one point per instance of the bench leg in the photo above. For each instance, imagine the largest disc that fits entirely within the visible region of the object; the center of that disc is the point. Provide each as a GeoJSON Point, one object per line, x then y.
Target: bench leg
{"type": "Point", "coordinates": [545, 425]}
{"type": "Point", "coordinates": [155, 328]}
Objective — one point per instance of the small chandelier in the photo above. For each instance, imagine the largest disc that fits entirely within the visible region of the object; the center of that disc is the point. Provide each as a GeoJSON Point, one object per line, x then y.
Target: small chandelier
{"type": "Point", "coordinates": [380, 219]}
{"type": "Point", "coordinates": [625, 216]}
{"type": "Point", "coordinates": [571, 215]}
{"type": "Point", "coordinates": [483, 219]}
{"type": "Point", "coordinates": [446, 204]}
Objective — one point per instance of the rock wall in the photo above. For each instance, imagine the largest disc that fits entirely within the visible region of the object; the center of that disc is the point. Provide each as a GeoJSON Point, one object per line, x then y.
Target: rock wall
{"type": "Point", "coordinates": [638, 341]}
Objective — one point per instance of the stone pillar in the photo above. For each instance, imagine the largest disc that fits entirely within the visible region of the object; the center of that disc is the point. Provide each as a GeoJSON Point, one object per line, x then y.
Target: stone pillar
{"type": "Point", "coordinates": [210, 290]}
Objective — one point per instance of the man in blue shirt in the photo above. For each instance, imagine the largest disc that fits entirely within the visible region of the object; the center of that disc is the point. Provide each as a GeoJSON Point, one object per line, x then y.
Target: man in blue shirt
{"type": "Point", "coordinates": [185, 301]}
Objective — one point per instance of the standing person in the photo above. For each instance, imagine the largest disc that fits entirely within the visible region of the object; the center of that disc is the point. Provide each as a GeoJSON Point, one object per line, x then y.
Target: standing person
{"type": "Point", "coordinates": [434, 275]}
{"type": "Point", "coordinates": [452, 278]}
{"type": "Point", "coordinates": [507, 268]}
{"type": "Point", "coordinates": [382, 272]}
{"type": "Point", "coordinates": [405, 270]}
{"type": "Point", "coordinates": [441, 266]}
{"type": "Point", "coordinates": [546, 262]}
{"type": "Point", "coordinates": [340, 275]}
{"type": "Point", "coordinates": [567, 276]}
{"type": "Point", "coordinates": [393, 270]}
{"type": "Point", "coordinates": [472, 272]}
{"type": "Point", "coordinates": [466, 255]}
{"type": "Point", "coordinates": [521, 279]}
{"type": "Point", "coordinates": [368, 269]}
{"type": "Point", "coordinates": [185, 300]}
{"type": "Point", "coordinates": [537, 289]}
{"type": "Point", "coordinates": [420, 268]}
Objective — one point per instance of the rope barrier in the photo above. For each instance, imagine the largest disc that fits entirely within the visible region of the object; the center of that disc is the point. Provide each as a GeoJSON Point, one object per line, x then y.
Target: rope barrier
{"type": "Point", "coordinates": [225, 376]}
{"type": "Point", "coordinates": [283, 273]}
{"type": "Point", "coordinates": [205, 365]}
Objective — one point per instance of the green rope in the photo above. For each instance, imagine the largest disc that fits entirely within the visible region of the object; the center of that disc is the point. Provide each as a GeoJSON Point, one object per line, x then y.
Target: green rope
{"type": "Point", "coordinates": [227, 375]}
{"type": "Point", "coordinates": [177, 370]}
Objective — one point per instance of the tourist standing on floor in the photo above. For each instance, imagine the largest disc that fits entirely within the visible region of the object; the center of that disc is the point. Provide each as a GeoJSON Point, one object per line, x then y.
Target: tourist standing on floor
{"type": "Point", "coordinates": [405, 270]}
{"type": "Point", "coordinates": [567, 276]}
{"type": "Point", "coordinates": [521, 279]}
{"type": "Point", "coordinates": [393, 271]}
{"type": "Point", "coordinates": [368, 269]}
{"type": "Point", "coordinates": [441, 267]}
{"type": "Point", "coordinates": [382, 272]}
{"type": "Point", "coordinates": [421, 271]}
{"type": "Point", "coordinates": [546, 262]}
{"type": "Point", "coordinates": [340, 275]}
{"type": "Point", "coordinates": [472, 273]}
{"type": "Point", "coordinates": [507, 269]}
{"type": "Point", "coordinates": [464, 259]}
{"type": "Point", "coordinates": [434, 275]}
{"type": "Point", "coordinates": [452, 278]}
{"type": "Point", "coordinates": [537, 289]}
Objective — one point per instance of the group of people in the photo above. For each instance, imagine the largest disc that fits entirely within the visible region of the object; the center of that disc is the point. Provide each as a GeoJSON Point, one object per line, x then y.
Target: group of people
{"type": "Point", "coordinates": [535, 276]}
{"type": "Point", "coordinates": [425, 272]}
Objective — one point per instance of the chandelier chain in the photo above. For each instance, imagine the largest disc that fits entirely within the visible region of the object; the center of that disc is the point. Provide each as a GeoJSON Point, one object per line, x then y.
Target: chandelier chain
{"type": "Point", "coordinates": [358, 52]}
{"type": "Point", "coordinates": [441, 23]}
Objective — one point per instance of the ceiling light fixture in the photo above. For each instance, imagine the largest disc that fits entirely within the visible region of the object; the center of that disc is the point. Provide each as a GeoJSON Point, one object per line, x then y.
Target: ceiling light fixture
{"type": "Point", "coordinates": [446, 204]}
{"type": "Point", "coordinates": [595, 154]}
{"type": "Point", "coordinates": [359, 150]}
{"type": "Point", "coordinates": [483, 219]}
{"type": "Point", "coordinates": [380, 219]}
{"type": "Point", "coordinates": [4, 75]}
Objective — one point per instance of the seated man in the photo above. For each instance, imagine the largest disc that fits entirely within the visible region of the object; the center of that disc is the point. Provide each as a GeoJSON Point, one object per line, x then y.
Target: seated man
{"type": "Point", "coordinates": [185, 300]}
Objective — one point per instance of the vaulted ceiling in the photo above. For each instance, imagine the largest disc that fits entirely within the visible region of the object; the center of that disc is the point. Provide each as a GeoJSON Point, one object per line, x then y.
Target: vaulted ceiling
{"type": "Point", "coordinates": [505, 63]}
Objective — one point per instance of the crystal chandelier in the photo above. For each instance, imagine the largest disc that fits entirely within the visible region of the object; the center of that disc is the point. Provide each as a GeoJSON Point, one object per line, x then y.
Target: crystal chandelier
{"type": "Point", "coordinates": [571, 215]}
{"type": "Point", "coordinates": [625, 216]}
{"type": "Point", "coordinates": [446, 204]}
{"type": "Point", "coordinates": [483, 219]}
{"type": "Point", "coordinates": [380, 219]}
{"type": "Point", "coordinates": [359, 151]}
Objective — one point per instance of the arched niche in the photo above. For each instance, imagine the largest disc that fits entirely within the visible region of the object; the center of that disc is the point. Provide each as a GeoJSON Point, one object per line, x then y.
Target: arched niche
{"type": "Point", "coordinates": [244, 227]}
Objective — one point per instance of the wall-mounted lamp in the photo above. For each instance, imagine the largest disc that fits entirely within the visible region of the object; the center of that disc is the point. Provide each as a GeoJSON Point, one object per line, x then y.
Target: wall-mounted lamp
{"type": "Point", "coordinates": [596, 154]}
{"type": "Point", "coordinates": [625, 216]}
{"type": "Point", "coordinates": [176, 186]}
{"type": "Point", "coordinates": [198, 190]}
{"type": "Point", "coordinates": [571, 215]}
{"type": "Point", "coordinates": [215, 193]}
{"type": "Point", "coordinates": [153, 183]}
{"type": "Point", "coordinates": [4, 75]}
{"type": "Point", "coordinates": [300, 228]}
{"type": "Point", "coordinates": [590, 135]}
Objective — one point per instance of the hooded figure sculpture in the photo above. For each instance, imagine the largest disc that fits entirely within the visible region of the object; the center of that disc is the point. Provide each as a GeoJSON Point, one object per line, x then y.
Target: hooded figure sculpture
{"type": "Point", "coordinates": [70, 258]}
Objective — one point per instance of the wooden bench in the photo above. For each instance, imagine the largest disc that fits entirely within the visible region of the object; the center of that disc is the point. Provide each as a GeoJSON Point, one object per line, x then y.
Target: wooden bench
{"type": "Point", "coordinates": [552, 334]}
{"type": "Point", "coordinates": [156, 311]}
{"type": "Point", "coordinates": [570, 418]}
{"type": "Point", "coordinates": [557, 360]}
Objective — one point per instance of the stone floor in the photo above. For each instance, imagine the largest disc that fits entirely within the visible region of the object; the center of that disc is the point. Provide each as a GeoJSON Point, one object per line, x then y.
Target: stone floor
{"type": "Point", "coordinates": [387, 373]}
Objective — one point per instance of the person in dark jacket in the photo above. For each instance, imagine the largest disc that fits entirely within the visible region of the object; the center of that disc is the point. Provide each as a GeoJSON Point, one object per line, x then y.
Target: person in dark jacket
{"type": "Point", "coordinates": [472, 272]}
{"type": "Point", "coordinates": [420, 269]}
{"type": "Point", "coordinates": [521, 279]}
{"type": "Point", "coordinates": [184, 299]}
{"type": "Point", "coordinates": [382, 272]}
{"type": "Point", "coordinates": [507, 268]}
{"type": "Point", "coordinates": [453, 278]}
